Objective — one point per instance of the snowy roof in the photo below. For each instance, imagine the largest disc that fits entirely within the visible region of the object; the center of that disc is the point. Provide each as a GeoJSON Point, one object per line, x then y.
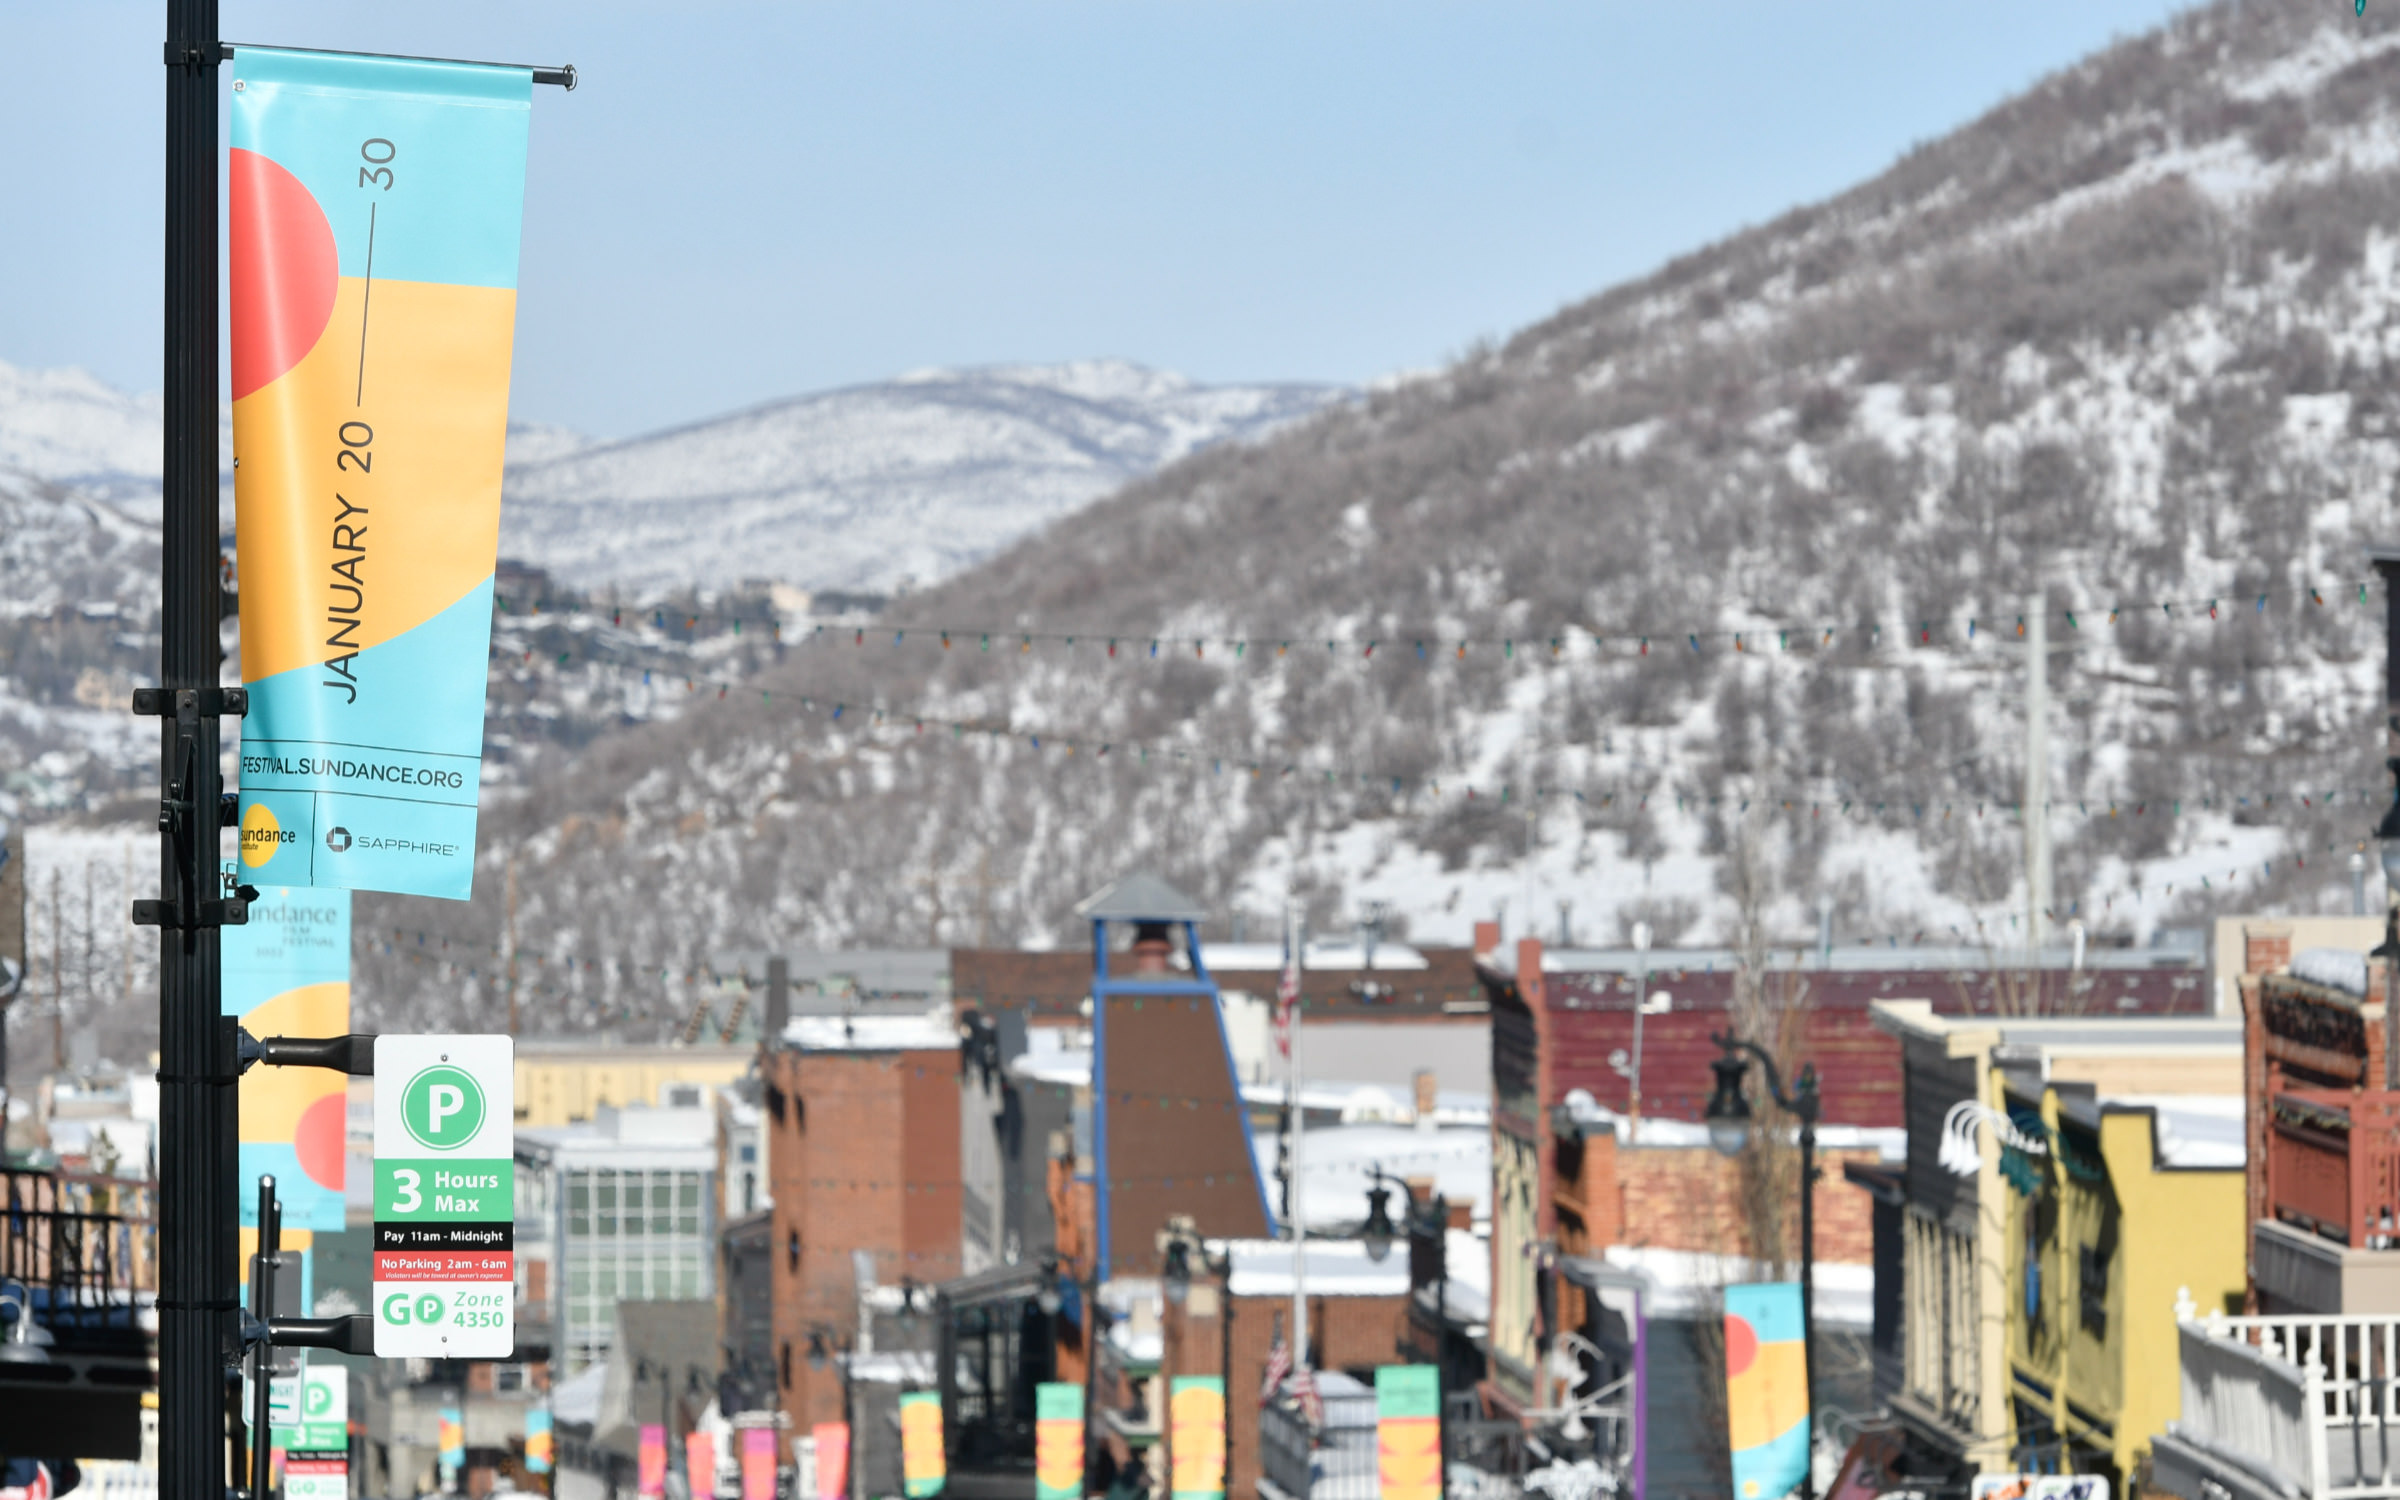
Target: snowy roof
{"type": "Point", "coordinates": [2192, 1130]}
{"type": "Point", "coordinates": [1688, 1284]}
{"type": "Point", "coordinates": [1062, 1057]}
{"type": "Point", "coordinates": [635, 1135]}
{"type": "Point", "coordinates": [1335, 1268]}
{"type": "Point", "coordinates": [1140, 898]}
{"type": "Point", "coordinates": [1889, 1142]}
{"type": "Point", "coordinates": [1335, 1168]}
{"type": "Point", "coordinates": [930, 1030]}
{"type": "Point", "coordinates": [1252, 958]}
{"type": "Point", "coordinates": [2334, 968]}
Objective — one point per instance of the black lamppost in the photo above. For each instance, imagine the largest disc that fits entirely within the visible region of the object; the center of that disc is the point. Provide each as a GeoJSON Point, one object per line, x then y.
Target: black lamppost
{"type": "Point", "coordinates": [1379, 1230]}
{"type": "Point", "coordinates": [1729, 1131]}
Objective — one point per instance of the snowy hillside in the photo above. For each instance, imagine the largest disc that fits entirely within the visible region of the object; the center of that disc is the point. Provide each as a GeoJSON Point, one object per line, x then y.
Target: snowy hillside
{"type": "Point", "coordinates": [68, 427]}
{"type": "Point", "coordinates": [871, 487]}
{"type": "Point", "coordinates": [2127, 342]}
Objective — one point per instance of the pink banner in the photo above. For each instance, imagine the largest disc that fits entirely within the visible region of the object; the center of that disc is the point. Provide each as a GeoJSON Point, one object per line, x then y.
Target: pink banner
{"type": "Point", "coordinates": [758, 1464]}
{"type": "Point", "coordinates": [652, 1475]}
{"type": "Point", "coordinates": [700, 1464]}
{"type": "Point", "coordinates": [833, 1460]}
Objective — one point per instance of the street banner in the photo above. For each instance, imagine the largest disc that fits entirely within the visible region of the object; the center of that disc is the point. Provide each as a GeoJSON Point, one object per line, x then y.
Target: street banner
{"type": "Point", "coordinates": [700, 1465]}
{"type": "Point", "coordinates": [833, 1459]}
{"type": "Point", "coordinates": [1766, 1389]}
{"type": "Point", "coordinates": [922, 1463]}
{"type": "Point", "coordinates": [287, 973]}
{"type": "Point", "coordinates": [316, 1447]}
{"type": "Point", "coordinates": [445, 1197]}
{"type": "Point", "coordinates": [450, 1440]}
{"type": "Point", "coordinates": [1408, 1432]}
{"type": "Point", "coordinates": [1058, 1440]}
{"type": "Point", "coordinates": [540, 1449]}
{"type": "Point", "coordinates": [650, 1459]}
{"type": "Point", "coordinates": [374, 209]}
{"type": "Point", "coordinates": [758, 1463]}
{"type": "Point", "coordinates": [1196, 1437]}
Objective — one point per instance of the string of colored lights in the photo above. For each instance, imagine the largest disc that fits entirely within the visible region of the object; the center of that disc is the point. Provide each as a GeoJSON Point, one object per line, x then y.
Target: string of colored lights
{"type": "Point", "coordinates": [1140, 643]}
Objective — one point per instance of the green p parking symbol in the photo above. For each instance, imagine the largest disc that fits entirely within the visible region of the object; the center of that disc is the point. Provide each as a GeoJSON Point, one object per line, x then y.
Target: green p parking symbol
{"type": "Point", "coordinates": [442, 1108]}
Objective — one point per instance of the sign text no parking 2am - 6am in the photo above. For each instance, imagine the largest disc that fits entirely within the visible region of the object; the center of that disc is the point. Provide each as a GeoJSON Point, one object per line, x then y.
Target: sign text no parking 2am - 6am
{"type": "Point", "coordinates": [445, 1197]}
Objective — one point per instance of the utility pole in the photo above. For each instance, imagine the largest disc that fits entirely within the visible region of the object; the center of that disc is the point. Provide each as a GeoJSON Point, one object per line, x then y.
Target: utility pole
{"type": "Point", "coordinates": [1295, 940]}
{"type": "Point", "coordinates": [198, 1331]}
{"type": "Point", "coordinates": [2037, 772]}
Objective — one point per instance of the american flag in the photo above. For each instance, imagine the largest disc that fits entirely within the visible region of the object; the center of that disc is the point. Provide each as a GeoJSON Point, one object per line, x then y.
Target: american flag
{"type": "Point", "coordinates": [1287, 998]}
{"type": "Point", "coordinates": [1302, 1387]}
{"type": "Point", "coordinates": [1279, 1364]}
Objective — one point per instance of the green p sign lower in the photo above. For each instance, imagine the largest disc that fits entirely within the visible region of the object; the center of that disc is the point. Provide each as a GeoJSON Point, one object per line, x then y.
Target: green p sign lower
{"type": "Point", "coordinates": [442, 1108]}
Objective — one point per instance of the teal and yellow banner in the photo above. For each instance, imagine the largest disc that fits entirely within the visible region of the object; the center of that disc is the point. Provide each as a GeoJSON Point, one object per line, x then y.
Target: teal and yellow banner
{"type": "Point", "coordinates": [375, 206]}
{"type": "Point", "coordinates": [923, 1466]}
{"type": "Point", "coordinates": [1196, 1437]}
{"type": "Point", "coordinates": [1058, 1440]}
{"type": "Point", "coordinates": [287, 973]}
{"type": "Point", "coordinates": [1408, 1432]}
{"type": "Point", "coordinates": [1766, 1389]}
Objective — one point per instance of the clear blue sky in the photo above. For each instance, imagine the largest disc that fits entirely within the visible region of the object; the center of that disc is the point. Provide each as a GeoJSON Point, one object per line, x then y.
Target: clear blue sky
{"type": "Point", "coordinates": [749, 200]}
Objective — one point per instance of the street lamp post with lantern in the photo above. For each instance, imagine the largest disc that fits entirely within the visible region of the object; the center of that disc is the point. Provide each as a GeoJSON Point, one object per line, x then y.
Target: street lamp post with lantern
{"type": "Point", "coordinates": [1729, 1124]}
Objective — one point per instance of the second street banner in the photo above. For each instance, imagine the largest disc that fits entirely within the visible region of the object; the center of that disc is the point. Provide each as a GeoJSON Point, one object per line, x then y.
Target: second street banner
{"type": "Point", "coordinates": [375, 208]}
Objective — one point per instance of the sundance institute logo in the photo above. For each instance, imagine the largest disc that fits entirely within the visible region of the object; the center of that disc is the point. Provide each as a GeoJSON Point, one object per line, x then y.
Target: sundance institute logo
{"type": "Point", "coordinates": [442, 1107]}
{"type": "Point", "coordinates": [338, 840]}
{"type": "Point", "coordinates": [262, 835]}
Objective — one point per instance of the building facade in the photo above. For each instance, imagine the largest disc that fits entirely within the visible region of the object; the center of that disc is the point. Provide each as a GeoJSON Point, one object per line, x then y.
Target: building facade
{"type": "Point", "coordinates": [630, 1205]}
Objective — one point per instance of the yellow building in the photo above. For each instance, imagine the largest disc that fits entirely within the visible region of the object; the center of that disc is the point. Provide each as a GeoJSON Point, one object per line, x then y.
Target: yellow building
{"type": "Point", "coordinates": [566, 1083]}
{"type": "Point", "coordinates": [2118, 1208]}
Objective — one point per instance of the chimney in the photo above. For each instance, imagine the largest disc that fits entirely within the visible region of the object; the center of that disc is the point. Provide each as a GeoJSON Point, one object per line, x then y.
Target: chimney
{"type": "Point", "coordinates": [1426, 1092]}
{"type": "Point", "coordinates": [779, 1001]}
{"type": "Point", "coordinates": [2266, 947]}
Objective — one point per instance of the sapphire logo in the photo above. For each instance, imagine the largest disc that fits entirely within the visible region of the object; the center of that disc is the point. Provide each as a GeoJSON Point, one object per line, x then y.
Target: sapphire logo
{"type": "Point", "coordinates": [337, 839]}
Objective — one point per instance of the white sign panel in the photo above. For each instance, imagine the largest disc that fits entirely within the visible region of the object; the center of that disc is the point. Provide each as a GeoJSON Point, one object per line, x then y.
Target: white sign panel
{"type": "Point", "coordinates": [445, 1197]}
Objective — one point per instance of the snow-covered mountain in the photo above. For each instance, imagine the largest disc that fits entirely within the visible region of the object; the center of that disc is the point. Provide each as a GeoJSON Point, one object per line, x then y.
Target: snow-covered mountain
{"type": "Point", "coordinates": [70, 427]}
{"type": "Point", "coordinates": [2127, 343]}
{"type": "Point", "coordinates": [872, 487]}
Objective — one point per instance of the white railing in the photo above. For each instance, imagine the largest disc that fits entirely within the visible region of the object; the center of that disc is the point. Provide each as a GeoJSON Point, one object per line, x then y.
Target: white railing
{"type": "Point", "coordinates": [2313, 1399]}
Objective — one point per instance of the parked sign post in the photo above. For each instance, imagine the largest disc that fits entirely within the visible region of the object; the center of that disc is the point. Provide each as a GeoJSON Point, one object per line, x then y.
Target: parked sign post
{"type": "Point", "coordinates": [445, 1197]}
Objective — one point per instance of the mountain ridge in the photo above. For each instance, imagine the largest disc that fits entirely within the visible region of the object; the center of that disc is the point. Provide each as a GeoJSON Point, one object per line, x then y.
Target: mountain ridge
{"type": "Point", "coordinates": [2047, 354]}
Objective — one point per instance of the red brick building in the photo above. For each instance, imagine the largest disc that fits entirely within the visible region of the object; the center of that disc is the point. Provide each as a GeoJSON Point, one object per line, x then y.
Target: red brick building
{"type": "Point", "coordinates": [1357, 1320]}
{"type": "Point", "coordinates": [863, 1138]}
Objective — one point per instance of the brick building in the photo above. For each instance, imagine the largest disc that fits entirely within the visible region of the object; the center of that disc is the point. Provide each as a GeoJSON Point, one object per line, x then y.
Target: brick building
{"type": "Point", "coordinates": [862, 1148]}
{"type": "Point", "coordinates": [1357, 1320]}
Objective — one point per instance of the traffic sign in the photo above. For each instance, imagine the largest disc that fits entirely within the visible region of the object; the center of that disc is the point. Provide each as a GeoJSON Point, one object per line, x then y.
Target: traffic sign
{"type": "Point", "coordinates": [445, 1197]}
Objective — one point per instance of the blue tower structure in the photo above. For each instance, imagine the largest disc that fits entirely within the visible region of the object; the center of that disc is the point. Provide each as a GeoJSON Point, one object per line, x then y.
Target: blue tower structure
{"type": "Point", "coordinates": [1170, 1133]}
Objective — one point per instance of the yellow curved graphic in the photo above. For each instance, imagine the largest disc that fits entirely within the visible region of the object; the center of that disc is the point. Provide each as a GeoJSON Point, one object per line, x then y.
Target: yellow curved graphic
{"type": "Point", "coordinates": [1768, 1397]}
{"type": "Point", "coordinates": [415, 496]}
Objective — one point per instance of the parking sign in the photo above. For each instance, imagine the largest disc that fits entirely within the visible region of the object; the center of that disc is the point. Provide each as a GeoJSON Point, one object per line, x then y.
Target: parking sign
{"type": "Point", "coordinates": [445, 1197]}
